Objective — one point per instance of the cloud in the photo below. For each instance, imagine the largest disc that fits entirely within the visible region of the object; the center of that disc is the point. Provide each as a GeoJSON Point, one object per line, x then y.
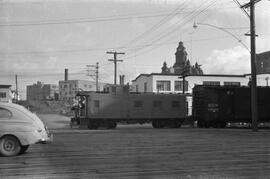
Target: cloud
{"type": "Point", "coordinates": [229, 61]}
{"type": "Point", "coordinates": [25, 63]}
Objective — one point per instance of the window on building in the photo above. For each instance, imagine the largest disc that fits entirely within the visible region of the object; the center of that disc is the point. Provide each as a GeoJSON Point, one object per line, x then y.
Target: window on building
{"type": "Point", "coordinates": [113, 89]}
{"type": "Point", "coordinates": [163, 85]}
{"type": "Point", "coordinates": [138, 104]}
{"type": "Point", "coordinates": [85, 86]}
{"type": "Point", "coordinates": [90, 86]}
{"type": "Point", "coordinates": [145, 87]}
{"type": "Point", "coordinates": [157, 104]}
{"type": "Point", "coordinates": [178, 85]}
{"type": "Point", "coordinates": [175, 104]}
{"type": "Point", "coordinates": [3, 95]}
{"type": "Point", "coordinates": [65, 86]}
{"type": "Point", "coordinates": [231, 83]}
{"type": "Point", "coordinates": [137, 88]}
{"type": "Point", "coordinates": [4, 113]}
{"type": "Point", "coordinates": [211, 83]}
{"type": "Point", "coordinates": [70, 85]}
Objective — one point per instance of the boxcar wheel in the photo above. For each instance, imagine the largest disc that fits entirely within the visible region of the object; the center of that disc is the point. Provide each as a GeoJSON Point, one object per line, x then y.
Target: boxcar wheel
{"type": "Point", "coordinates": [9, 146]}
{"type": "Point", "coordinates": [177, 124]}
{"type": "Point", "coordinates": [223, 124]}
{"type": "Point", "coordinates": [200, 124]}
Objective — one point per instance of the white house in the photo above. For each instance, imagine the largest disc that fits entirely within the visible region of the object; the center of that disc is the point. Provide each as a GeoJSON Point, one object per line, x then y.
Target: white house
{"type": "Point", "coordinates": [5, 93]}
{"type": "Point", "coordinates": [172, 83]}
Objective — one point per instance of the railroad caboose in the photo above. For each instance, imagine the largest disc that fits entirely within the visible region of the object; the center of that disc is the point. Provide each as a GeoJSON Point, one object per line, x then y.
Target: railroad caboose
{"type": "Point", "coordinates": [117, 104]}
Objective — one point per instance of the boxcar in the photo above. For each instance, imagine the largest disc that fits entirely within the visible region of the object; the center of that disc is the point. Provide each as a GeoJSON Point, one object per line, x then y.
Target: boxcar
{"type": "Point", "coordinates": [214, 106]}
{"type": "Point", "coordinates": [117, 104]}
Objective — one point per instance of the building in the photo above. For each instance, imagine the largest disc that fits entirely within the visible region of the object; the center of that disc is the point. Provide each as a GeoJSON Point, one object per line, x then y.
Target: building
{"type": "Point", "coordinates": [170, 80]}
{"type": "Point", "coordinates": [5, 93]}
{"type": "Point", "coordinates": [263, 62]}
{"type": "Point", "coordinates": [69, 88]}
{"type": "Point", "coordinates": [41, 91]}
{"type": "Point", "coordinates": [182, 65]}
{"type": "Point", "coordinates": [172, 83]}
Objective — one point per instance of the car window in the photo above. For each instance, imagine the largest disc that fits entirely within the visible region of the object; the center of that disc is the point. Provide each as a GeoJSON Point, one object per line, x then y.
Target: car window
{"type": "Point", "coordinates": [4, 113]}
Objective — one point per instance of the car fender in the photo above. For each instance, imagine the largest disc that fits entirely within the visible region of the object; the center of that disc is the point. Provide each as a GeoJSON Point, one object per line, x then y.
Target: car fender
{"type": "Point", "coordinates": [27, 134]}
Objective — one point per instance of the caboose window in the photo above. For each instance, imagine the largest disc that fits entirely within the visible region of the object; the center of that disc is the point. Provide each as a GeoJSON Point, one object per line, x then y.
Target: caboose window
{"type": "Point", "coordinates": [96, 104]}
{"type": "Point", "coordinates": [175, 104]}
{"type": "Point", "coordinates": [138, 104]}
{"type": "Point", "coordinates": [157, 104]}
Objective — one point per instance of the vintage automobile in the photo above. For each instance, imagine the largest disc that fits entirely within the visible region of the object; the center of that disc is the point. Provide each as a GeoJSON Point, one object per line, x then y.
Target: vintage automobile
{"type": "Point", "coordinates": [19, 128]}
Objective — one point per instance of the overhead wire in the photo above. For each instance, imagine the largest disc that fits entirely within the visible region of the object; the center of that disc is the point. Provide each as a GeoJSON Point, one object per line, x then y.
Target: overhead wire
{"type": "Point", "coordinates": [180, 23]}
{"type": "Point", "coordinates": [156, 25]}
{"type": "Point", "coordinates": [83, 20]}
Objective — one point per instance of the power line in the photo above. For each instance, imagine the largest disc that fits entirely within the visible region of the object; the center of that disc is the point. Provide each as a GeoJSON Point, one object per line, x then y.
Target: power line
{"type": "Point", "coordinates": [82, 20]}
{"type": "Point", "coordinates": [186, 20]}
{"type": "Point", "coordinates": [156, 26]}
{"type": "Point", "coordinates": [128, 49]}
{"type": "Point", "coordinates": [87, 19]}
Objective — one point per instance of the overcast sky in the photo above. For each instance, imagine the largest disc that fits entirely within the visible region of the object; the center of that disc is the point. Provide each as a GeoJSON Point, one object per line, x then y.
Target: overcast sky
{"type": "Point", "coordinates": [38, 39]}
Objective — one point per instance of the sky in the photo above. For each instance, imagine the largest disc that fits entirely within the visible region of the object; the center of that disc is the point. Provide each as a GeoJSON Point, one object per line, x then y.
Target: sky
{"type": "Point", "coordinates": [40, 38]}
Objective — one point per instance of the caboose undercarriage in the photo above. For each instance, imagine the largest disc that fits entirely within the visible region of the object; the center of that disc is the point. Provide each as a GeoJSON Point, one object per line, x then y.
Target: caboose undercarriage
{"type": "Point", "coordinates": [110, 123]}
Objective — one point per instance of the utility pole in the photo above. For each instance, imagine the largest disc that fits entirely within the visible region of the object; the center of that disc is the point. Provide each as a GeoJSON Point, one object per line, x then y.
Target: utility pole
{"type": "Point", "coordinates": [114, 60]}
{"type": "Point", "coordinates": [95, 75]}
{"type": "Point", "coordinates": [16, 90]}
{"type": "Point", "coordinates": [254, 95]}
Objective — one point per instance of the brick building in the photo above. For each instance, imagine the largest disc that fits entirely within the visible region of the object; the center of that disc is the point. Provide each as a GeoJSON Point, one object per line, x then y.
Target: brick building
{"type": "Point", "coordinates": [41, 91]}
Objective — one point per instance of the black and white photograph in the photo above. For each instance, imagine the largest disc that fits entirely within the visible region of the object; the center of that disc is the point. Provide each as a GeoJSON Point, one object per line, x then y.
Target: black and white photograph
{"type": "Point", "coordinates": [136, 89]}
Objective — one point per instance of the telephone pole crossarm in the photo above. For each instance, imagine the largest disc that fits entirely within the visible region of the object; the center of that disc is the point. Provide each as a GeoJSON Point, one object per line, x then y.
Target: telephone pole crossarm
{"type": "Point", "coordinates": [114, 60]}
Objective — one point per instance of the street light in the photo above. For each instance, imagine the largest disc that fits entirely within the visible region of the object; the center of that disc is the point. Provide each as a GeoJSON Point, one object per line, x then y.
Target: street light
{"type": "Point", "coordinates": [252, 51]}
{"type": "Point", "coordinates": [195, 25]}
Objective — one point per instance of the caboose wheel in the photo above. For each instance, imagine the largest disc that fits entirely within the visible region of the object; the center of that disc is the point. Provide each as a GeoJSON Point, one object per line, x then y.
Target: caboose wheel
{"type": "Point", "coordinates": [93, 125]}
{"type": "Point", "coordinates": [154, 124]}
{"type": "Point", "coordinates": [111, 125]}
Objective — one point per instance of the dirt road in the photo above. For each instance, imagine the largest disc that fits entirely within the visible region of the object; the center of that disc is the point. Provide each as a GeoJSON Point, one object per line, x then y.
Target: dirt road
{"type": "Point", "coordinates": [142, 152]}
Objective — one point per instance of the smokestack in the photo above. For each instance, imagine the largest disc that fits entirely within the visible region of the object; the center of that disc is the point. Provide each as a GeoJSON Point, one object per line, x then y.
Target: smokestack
{"type": "Point", "coordinates": [66, 74]}
{"type": "Point", "coordinates": [122, 79]}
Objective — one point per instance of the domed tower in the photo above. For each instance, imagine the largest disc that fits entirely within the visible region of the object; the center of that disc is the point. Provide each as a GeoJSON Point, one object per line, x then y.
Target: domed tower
{"type": "Point", "coordinates": [180, 59]}
{"type": "Point", "coordinates": [164, 69]}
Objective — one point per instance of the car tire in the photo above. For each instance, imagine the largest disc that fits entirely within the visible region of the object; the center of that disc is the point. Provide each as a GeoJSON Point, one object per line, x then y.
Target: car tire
{"type": "Point", "coordinates": [9, 146]}
{"type": "Point", "coordinates": [24, 148]}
